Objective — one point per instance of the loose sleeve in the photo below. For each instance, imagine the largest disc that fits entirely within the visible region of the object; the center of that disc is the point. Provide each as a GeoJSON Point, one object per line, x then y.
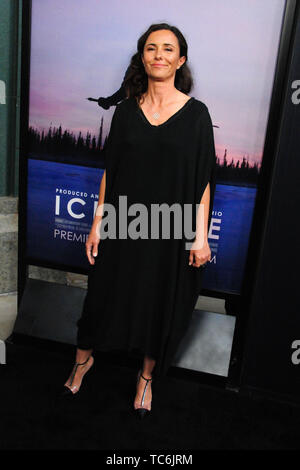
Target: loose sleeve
{"type": "Point", "coordinates": [206, 161]}
{"type": "Point", "coordinates": [112, 150]}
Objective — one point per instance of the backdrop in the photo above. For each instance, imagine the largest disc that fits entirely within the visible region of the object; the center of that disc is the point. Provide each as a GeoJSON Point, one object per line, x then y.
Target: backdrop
{"type": "Point", "coordinates": [82, 49]}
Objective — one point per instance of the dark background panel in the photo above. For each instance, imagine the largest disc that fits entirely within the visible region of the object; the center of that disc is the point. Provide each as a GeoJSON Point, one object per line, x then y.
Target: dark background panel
{"type": "Point", "coordinates": [275, 310]}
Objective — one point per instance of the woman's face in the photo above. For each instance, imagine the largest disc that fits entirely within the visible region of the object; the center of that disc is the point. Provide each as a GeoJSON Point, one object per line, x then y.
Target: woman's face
{"type": "Point", "coordinates": [161, 56]}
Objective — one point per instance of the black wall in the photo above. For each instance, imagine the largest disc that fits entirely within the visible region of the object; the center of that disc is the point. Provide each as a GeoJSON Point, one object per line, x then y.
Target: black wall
{"type": "Point", "coordinates": [274, 319]}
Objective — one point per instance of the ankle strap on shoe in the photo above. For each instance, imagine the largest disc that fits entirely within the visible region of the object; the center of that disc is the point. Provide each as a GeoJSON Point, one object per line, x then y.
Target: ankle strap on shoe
{"type": "Point", "coordinates": [75, 370]}
{"type": "Point", "coordinates": [148, 380]}
{"type": "Point", "coordinates": [82, 363]}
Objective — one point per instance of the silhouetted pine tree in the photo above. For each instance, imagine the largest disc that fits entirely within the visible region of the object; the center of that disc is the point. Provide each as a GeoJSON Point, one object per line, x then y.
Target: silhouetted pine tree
{"type": "Point", "coordinates": [99, 143]}
{"type": "Point", "coordinates": [225, 159]}
{"type": "Point", "coordinates": [88, 140]}
{"type": "Point", "coordinates": [80, 142]}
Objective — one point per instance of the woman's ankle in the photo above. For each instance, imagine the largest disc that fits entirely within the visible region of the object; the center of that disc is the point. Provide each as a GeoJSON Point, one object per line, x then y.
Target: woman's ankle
{"type": "Point", "coordinates": [83, 354]}
{"type": "Point", "coordinates": [146, 375]}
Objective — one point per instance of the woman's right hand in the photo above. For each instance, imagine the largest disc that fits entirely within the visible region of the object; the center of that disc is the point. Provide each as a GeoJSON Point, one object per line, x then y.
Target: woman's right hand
{"type": "Point", "coordinates": [91, 245]}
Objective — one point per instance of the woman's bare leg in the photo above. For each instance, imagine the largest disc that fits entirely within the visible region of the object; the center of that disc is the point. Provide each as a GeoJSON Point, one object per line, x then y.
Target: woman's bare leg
{"type": "Point", "coordinates": [148, 366]}
{"type": "Point", "coordinates": [81, 356]}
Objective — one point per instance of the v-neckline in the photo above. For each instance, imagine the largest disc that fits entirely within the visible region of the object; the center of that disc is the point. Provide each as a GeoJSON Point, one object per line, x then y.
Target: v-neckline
{"type": "Point", "coordinates": [171, 118]}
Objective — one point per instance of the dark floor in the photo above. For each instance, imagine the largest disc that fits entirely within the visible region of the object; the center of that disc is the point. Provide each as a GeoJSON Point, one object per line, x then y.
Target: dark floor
{"type": "Point", "coordinates": [185, 414]}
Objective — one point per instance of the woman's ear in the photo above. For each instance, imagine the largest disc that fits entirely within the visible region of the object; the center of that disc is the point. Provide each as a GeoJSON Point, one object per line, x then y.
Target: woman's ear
{"type": "Point", "coordinates": [182, 60]}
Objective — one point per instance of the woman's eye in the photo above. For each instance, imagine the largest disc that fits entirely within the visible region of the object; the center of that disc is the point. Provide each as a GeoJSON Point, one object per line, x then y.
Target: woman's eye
{"type": "Point", "coordinates": [151, 49]}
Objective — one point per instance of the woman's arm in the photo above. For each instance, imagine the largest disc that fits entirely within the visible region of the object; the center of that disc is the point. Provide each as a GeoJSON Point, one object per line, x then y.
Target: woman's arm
{"type": "Point", "coordinates": [98, 214]}
{"type": "Point", "coordinates": [93, 240]}
{"type": "Point", "coordinates": [202, 218]}
{"type": "Point", "coordinates": [204, 190]}
{"type": "Point", "coordinates": [200, 252]}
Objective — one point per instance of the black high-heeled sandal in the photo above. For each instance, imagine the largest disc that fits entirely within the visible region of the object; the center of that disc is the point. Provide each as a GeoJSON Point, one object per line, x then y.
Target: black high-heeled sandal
{"type": "Point", "coordinates": [141, 412]}
{"type": "Point", "coordinates": [67, 390]}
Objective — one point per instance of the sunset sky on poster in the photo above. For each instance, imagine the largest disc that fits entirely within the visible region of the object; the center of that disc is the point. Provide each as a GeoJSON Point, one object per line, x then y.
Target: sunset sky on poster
{"type": "Point", "coordinates": [82, 48]}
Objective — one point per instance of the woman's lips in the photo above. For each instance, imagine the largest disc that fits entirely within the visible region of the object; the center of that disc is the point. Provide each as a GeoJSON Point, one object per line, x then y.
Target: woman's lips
{"type": "Point", "coordinates": [158, 65]}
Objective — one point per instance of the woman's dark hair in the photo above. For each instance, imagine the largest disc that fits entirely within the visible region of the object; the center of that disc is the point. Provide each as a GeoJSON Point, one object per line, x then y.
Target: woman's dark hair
{"type": "Point", "coordinates": [136, 80]}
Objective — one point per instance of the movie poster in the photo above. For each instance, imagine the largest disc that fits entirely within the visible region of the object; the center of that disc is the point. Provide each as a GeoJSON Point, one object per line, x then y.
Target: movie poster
{"type": "Point", "coordinates": [81, 50]}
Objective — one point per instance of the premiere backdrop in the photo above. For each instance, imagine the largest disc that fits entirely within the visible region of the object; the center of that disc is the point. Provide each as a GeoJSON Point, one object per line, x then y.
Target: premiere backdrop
{"type": "Point", "coordinates": [82, 49]}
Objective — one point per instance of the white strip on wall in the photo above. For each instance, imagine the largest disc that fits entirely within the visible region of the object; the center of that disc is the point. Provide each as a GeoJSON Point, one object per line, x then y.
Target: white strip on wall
{"type": "Point", "coordinates": [2, 92]}
{"type": "Point", "coordinates": [2, 352]}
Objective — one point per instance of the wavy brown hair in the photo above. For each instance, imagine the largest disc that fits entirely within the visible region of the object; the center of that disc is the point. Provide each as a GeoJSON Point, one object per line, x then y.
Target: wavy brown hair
{"type": "Point", "coordinates": [136, 80]}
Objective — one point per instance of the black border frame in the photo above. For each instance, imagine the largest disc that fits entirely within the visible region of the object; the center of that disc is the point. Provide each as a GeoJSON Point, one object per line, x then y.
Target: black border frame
{"type": "Point", "coordinates": [243, 300]}
{"type": "Point", "coordinates": [262, 201]}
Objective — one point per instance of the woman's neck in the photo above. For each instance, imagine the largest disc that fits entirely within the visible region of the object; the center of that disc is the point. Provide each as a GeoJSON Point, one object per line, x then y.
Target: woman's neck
{"type": "Point", "coordinates": [158, 96]}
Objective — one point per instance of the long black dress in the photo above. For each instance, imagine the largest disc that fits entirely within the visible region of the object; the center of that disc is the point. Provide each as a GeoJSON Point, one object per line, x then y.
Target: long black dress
{"type": "Point", "coordinates": [142, 292]}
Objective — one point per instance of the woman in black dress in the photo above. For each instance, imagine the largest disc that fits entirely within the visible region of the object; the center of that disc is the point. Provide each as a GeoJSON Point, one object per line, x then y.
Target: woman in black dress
{"type": "Point", "coordinates": [160, 150]}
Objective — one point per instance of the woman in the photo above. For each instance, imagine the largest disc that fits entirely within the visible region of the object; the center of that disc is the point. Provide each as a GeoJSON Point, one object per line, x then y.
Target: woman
{"type": "Point", "coordinates": [142, 291]}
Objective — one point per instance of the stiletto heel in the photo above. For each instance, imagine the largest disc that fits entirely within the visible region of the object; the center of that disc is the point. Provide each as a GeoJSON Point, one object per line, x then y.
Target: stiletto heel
{"type": "Point", "coordinates": [69, 391]}
{"type": "Point", "coordinates": [141, 412]}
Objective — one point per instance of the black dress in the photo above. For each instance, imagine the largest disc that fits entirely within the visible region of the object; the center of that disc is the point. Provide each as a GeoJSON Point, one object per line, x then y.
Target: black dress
{"type": "Point", "coordinates": [142, 292]}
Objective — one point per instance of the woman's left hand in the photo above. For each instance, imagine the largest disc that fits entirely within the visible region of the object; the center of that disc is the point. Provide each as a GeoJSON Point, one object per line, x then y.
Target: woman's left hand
{"type": "Point", "coordinates": [198, 257]}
